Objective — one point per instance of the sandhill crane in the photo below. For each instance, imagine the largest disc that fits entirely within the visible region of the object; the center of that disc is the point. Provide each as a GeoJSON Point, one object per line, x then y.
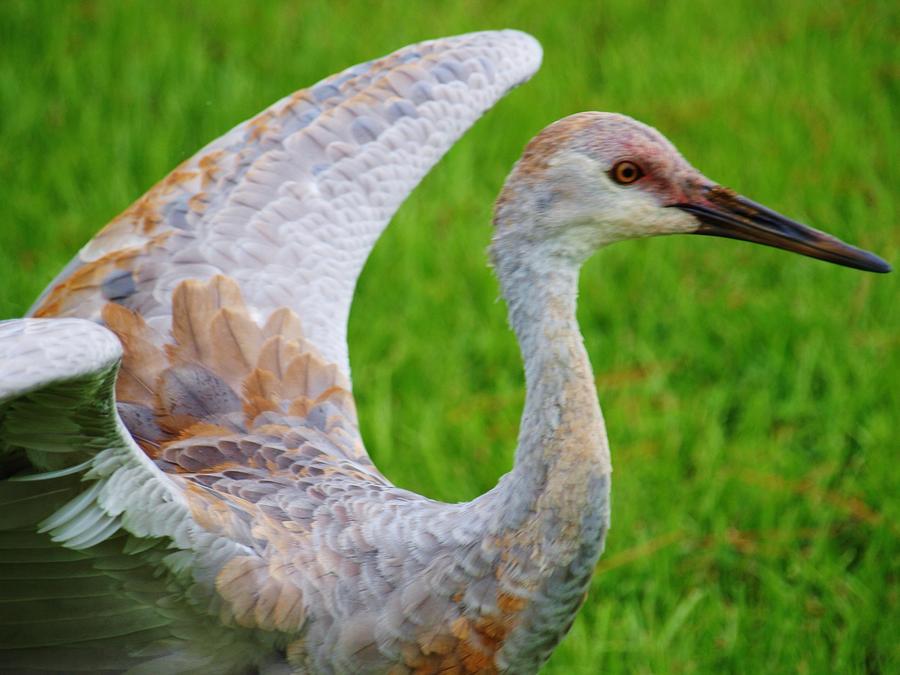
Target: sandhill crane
{"type": "Point", "coordinates": [185, 487]}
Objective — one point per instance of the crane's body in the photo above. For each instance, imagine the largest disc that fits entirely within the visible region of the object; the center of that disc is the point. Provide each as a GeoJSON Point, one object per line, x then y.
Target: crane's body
{"type": "Point", "coordinates": [177, 426]}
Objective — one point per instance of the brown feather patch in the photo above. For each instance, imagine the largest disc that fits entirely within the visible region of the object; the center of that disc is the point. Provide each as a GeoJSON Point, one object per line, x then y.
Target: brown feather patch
{"type": "Point", "coordinates": [236, 341]}
{"type": "Point", "coordinates": [275, 355]}
{"type": "Point", "coordinates": [194, 306]}
{"type": "Point", "coordinates": [285, 323]}
{"type": "Point", "coordinates": [262, 392]}
{"type": "Point", "coordinates": [308, 376]}
{"type": "Point", "coordinates": [143, 359]}
{"type": "Point", "coordinates": [223, 378]}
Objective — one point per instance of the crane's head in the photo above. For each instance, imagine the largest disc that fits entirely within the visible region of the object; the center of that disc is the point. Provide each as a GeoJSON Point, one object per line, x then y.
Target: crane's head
{"type": "Point", "coordinates": [595, 178]}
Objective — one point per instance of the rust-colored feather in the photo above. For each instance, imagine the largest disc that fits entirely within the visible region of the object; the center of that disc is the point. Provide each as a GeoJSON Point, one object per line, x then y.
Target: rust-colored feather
{"type": "Point", "coordinates": [276, 354]}
{"type": "Point", "coordinates": [194, 306]}
{"type": "Point", "coordinates": [205, 429]}
{"type": "Point", "coordinates": [300, 406]}
{"type": "Point", "coordinates": [143, 358]}
{"type": "Point", "coordinates": [236, 341]}
{"type": "Point", "coordinates": [308, 376]}
{"type": "Point", "coordinates": [285, 323]}
{"type": "Point", "coordinates": [262, 392]}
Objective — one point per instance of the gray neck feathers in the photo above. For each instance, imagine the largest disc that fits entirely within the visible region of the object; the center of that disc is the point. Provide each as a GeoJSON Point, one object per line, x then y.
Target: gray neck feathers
{"type": "Point", "coordinates": [562, 438]}
{"type": "Point", "coordinates": [556, 498]}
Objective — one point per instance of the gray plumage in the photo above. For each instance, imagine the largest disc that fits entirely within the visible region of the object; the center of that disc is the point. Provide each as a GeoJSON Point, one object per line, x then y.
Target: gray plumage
{"type": "Point", "coordinates": [184, 487]}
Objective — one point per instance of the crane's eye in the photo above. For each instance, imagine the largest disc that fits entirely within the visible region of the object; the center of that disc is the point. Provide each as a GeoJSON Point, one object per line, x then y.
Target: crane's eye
{"type": "Point", "coordinates": [625, 172]}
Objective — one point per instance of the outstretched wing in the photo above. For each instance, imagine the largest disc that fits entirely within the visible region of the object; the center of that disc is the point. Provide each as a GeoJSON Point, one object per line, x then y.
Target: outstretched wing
{"type": "Point", "coordinates": [204, 496]}
{"type": "Point", "coordinates": [103, 565]}
{"type": "Point", "coordinates": [291, 202]}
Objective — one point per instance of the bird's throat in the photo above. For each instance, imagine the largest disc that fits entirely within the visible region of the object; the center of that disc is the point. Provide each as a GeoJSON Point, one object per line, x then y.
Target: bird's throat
{"type": "Point", "coordinates": [561, 422]}
{"type": "Point", "coordinates": [556, 499]}
{"type": "Point", "coordinates": [562, 447]}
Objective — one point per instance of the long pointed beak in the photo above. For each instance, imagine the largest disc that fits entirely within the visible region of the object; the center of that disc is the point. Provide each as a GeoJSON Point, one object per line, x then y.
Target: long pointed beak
{"type": "Point", "coordinates": [723, 213]}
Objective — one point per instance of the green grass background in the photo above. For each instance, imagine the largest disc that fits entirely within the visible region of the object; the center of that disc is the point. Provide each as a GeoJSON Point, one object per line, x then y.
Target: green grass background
{"type": "Point", "coordinates": [751, 396]}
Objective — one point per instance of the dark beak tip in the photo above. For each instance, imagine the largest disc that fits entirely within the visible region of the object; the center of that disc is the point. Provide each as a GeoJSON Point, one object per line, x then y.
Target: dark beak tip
{"type": "Point", "coordinates": [871, 262]}
{"type": "Point", "coordinates": [881, 266]}
{"type": "Point", "coordinates": [866, 261]}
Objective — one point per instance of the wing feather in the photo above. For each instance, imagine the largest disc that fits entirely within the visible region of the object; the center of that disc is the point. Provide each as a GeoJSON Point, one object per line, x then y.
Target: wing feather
{"type": "Point", "coordinates": [143, 358]}
{"type": "Point", "coordinates": [291, 202]}
{"type": "Point", "coordinates": [236, 531]}
{"type": "Point", "coordinates": [92, 549]}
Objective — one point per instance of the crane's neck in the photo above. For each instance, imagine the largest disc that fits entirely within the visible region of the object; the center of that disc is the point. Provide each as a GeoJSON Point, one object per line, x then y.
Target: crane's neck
{"type": "Point", "coordinates": [553, 509]}
{"type": "Point", "coordinates": [563, 451]}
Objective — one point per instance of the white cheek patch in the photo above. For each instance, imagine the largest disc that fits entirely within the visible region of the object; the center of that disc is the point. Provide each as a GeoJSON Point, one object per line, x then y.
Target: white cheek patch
{"type": "Point", "coordinates": [628, 212]}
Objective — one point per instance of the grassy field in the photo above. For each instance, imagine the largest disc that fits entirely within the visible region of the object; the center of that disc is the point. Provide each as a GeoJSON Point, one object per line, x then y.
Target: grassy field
{"type": "Point", "coordinates": [752, 397]}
